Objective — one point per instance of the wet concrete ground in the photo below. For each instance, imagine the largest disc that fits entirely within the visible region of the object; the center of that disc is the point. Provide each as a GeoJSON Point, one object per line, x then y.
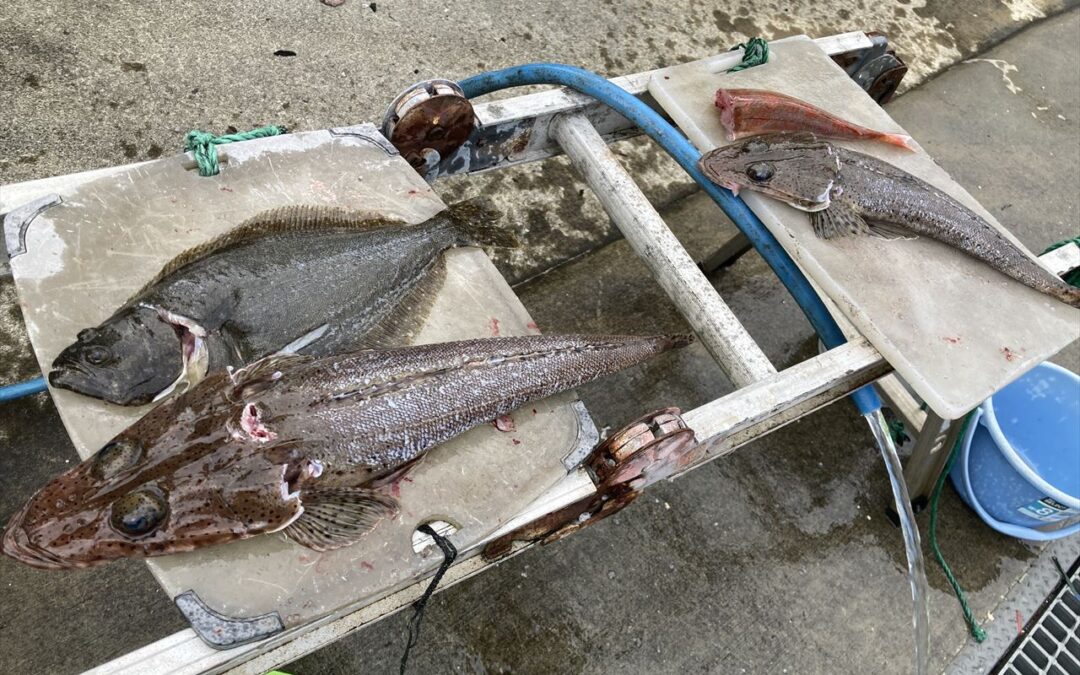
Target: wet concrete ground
{"type": "Point", "coordinates": [776, 558]}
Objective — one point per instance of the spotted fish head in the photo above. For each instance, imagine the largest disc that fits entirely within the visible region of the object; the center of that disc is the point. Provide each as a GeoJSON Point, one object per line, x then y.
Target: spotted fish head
{"type": "Point", "coordinates": [191, 473]}
{"type": "Point", "coordinates": [127, 360]}
{"type": "Point", "coordinates": [799, 169]}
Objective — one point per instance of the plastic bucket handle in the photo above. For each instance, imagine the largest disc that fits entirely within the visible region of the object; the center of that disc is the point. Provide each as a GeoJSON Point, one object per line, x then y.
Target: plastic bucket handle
{"type": "Point", "coordinates": [1018, 531]}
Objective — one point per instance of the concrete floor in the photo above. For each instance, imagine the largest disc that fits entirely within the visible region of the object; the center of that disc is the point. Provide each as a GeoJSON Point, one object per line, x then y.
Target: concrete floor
{"type": "Point", "coordinates": [777, 558]}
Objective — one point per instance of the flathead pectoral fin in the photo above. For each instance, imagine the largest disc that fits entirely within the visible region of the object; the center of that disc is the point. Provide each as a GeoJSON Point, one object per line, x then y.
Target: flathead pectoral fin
{"type": "Point", "coordinates": [337, 517]}
{"type": "Point", "coordinates": [839, 220]}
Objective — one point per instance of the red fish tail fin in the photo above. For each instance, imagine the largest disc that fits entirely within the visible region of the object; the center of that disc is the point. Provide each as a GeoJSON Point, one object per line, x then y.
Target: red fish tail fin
{"type": "Point", "coordinates": [901, 141]}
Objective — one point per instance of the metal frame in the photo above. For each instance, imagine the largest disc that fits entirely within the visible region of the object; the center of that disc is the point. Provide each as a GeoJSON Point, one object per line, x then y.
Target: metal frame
{"type": "Point", "coordinates": [538, 126]}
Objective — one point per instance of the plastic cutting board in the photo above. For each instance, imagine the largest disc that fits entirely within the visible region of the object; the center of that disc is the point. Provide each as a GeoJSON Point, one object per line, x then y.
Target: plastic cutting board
{"type": "Point", "coordinates": [952, 327]}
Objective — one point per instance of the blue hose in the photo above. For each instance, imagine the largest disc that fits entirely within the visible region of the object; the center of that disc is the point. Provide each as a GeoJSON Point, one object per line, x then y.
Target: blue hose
{"type": "Point", "coordinates": [683, 152]}
{"type": "Point", "coordinates": [11, 392]}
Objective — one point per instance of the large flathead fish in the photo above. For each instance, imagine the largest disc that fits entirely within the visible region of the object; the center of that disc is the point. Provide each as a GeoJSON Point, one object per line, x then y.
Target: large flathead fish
{"type": "Point", "coordinates": [310, 279]}
{"type": "Point", "coordinates": [306, 446]}
{"type": "Point", "coordinates": [848, 193]}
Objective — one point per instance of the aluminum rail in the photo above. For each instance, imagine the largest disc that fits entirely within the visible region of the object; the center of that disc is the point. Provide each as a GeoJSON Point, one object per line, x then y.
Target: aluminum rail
{"type": "Point", "coordinates": [715, 324]}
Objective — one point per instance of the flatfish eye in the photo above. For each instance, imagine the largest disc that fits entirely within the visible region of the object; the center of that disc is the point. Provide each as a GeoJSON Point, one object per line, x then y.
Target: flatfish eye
{"type": "Point", "coordinates": [755, 145]}
{"type": "Point", "coordinates": [139, 513]}
{"type": "Point", "coordinates": [97, 355]}
{"type": "Point", "coordinates": [760, 172]}
{"type": "Point", "coordinates": [116, 457]}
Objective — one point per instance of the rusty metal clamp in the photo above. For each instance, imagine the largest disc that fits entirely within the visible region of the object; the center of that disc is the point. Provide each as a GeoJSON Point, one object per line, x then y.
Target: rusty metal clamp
{"type": "Point", "coordinates": [427, 122]}
{"type": "Point", "coordinates": [653, 447]}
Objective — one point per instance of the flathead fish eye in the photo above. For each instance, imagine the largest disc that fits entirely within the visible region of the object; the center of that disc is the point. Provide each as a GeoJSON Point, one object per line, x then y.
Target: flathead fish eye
{"type": "Point", "coordinates": [755, 145]}
{"type": "Point", "coordinates": [760, 172]}
{"type": "Point", "coordinates": [96, 355]}
{"type": "Point", "coordinates": [138, 513]}
{"type": "Point", "coordinates": [114, 458]}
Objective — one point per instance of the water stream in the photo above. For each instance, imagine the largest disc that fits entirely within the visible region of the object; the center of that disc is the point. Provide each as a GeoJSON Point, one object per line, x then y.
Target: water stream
{"type": "Point", "coordinates": [916, 566]}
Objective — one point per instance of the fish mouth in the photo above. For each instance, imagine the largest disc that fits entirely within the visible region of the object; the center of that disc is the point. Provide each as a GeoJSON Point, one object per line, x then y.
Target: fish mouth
{"type": "Point", "coordinates": [17, 545]}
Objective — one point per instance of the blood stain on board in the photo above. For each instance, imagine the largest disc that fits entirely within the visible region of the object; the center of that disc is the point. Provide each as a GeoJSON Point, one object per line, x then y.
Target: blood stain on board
{"type": "Point", "coordinates": [494, 327]}
{"type": "Point", "coordinates": [953, 340]}
{"type": "Point", "coordinates": [366, 565]}
{"type": "Point", "coordinates": [516, 441]}
{"type": "Point", "coordinates": [1010, 355]}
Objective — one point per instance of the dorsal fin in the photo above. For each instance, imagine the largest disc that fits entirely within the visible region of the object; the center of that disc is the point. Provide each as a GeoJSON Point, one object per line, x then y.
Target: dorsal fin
{"type": "Point", "coordinates": [284, 219]}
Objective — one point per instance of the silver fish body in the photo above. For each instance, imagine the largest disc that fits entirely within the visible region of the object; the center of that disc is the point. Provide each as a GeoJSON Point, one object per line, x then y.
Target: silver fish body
{"type": "Point", "coordinates": [849, 193]}
{"type": "Point", "coordinates": [308, 446]}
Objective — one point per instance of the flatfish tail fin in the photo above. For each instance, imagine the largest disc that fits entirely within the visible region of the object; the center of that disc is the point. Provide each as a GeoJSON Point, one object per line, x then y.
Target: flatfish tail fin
{"type": "Point", "coordinates": [476, 222]}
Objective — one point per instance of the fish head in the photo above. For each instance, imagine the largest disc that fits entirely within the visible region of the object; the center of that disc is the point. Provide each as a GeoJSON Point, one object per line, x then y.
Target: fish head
{"type": "Point", "coordinates": [799, 169]}
{"type": "Point", "coordinates": [127, 360]}
{"type": "Point", "coordinates": [185, 476]}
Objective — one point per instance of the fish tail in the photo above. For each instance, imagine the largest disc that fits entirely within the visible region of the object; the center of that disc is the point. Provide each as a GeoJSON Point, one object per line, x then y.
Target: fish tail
{"type": "Point", "coordinates": [1070, 295]}
{"type": "Point", "coordinates": [900, 140]}
{"type": "Point", "coordinates": [475, 221]}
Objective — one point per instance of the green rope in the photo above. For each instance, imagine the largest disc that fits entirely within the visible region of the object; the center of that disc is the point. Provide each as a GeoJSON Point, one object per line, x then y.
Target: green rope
{"type": "Point", "coordinates": [973, 626]}
{"type": "Point", "coordinates": [755, 53]}
{"type": "Point", "coordinates": [201, 144]}
{"type": "Point", "coordinates": [1073, 277]}
{"type": "Point", "coordinates": [898, 433]}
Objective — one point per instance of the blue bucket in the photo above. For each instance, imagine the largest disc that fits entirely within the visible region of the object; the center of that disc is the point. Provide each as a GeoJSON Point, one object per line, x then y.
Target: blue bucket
{"type": "Point", "coordinates": [1019, 465]}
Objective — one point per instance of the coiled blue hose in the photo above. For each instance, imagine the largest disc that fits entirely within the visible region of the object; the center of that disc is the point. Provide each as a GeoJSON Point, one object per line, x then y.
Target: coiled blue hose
{"type": "Point", "coordinates": [11, 392]}
{"type": "Point", "coordinates": [683, 152]}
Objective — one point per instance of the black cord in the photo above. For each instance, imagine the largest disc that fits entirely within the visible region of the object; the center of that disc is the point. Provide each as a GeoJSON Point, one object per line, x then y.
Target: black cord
{"type": "Point", "coordinates": [449, 555]}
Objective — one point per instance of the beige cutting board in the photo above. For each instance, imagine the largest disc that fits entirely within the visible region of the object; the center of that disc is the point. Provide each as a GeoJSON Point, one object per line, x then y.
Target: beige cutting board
{"type": "Point", "coordinates": [109, 235]}
{"type": "Point", "coordinates": [953, 328]}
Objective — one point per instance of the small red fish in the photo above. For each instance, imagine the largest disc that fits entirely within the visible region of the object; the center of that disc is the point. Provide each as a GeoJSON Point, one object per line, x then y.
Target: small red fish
{"type": "Point", "coordinates": [748, 112]}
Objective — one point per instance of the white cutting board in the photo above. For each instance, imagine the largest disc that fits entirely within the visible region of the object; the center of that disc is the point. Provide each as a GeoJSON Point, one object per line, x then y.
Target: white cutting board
{"type": "Point", "coordinates": [956, 330]}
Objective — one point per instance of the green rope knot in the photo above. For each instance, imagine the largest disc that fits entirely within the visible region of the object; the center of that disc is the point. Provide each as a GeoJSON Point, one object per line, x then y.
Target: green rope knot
{"type": "Point", "coordinates": [755, 53]}
{"type": "Point", "coordinates": [202, 144]}
{"type": "Point", "coordinates": [1073, 277]}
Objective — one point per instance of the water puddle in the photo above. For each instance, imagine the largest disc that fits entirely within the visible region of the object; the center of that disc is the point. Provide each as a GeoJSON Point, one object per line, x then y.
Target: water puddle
{"type": "Point", "coordinates": [916, 566]}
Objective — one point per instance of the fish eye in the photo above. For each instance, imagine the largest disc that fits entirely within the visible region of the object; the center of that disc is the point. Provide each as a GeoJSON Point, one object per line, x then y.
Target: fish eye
{"type": "Point", "coordinates": [755, 145]}
{"type": "Point", "coordinates": [115, 457]}
{"type": "Point", "coordinates": [760, 172]}
{"type": "Point", "coordinates": [96, 355]}
{"type": "Point", "coordinates": [138, 513]}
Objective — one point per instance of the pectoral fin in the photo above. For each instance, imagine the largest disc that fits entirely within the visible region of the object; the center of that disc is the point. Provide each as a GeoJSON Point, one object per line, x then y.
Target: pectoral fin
{"type": "Point", "coordinates": [337, 517]}
{"type": "Point", "coordinates": [839, 220]}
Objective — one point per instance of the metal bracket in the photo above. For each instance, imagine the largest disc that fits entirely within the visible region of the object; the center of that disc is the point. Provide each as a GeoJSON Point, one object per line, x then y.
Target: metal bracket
{"type": "Point", "coordinates": [653, 447]}
{"type": "Point", "coordinates": [222, 632]}
{"type": "Point", "coordinates": [368, 132]}
{"type": "Point", "coordinates": [878, 69]}
{"type": "Point", "coordinates": [18, 220]}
